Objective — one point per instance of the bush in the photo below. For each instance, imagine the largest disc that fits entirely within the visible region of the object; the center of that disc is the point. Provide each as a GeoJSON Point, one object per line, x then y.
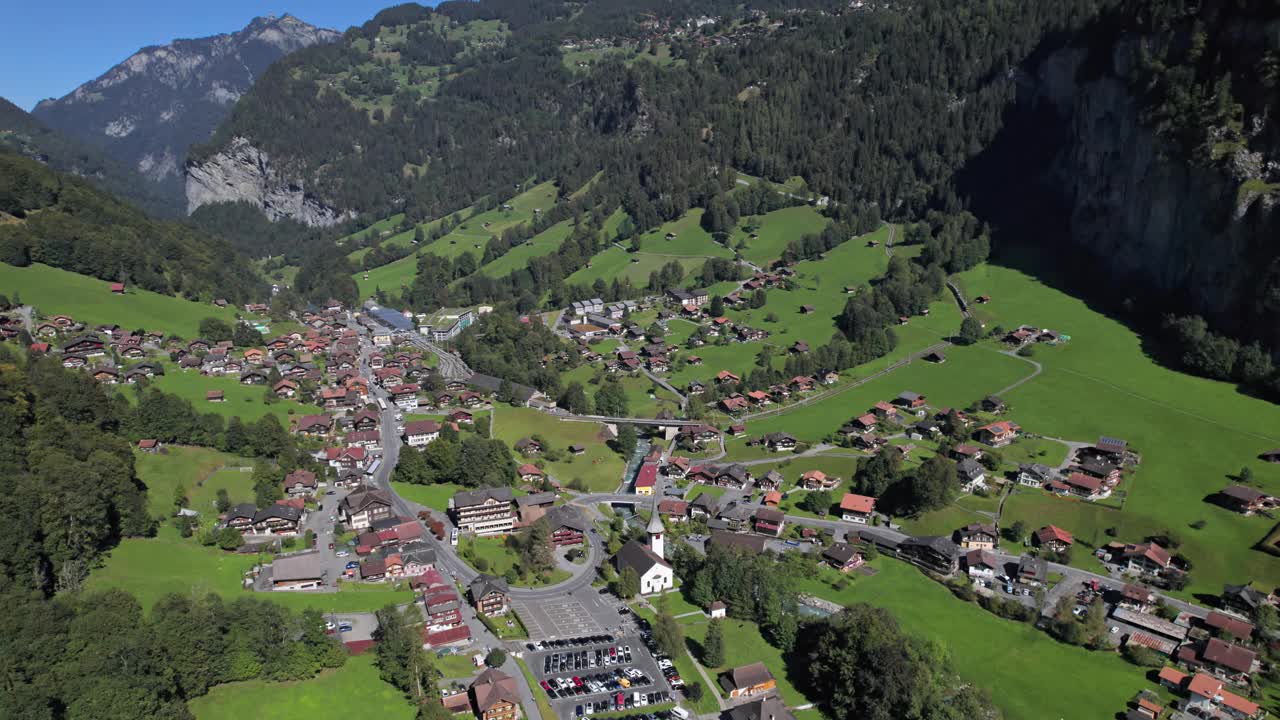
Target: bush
{"type": "Point", "coordinates": [482, 564]}
{"type": "Point", "coordinates": [1199, 524]}
{"type": "Point", "coordinates": [1142, 656]}
{"type": "Point", "coordinates": [229, 539]}
{"type": "Point", "coordinates": [694, 690]}
{"type": "Point", "coordinates": [496, 658]}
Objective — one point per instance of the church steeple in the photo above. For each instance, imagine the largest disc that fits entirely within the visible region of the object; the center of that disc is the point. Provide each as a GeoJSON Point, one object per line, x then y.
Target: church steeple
{"type": "Point", "coordinates": [655, 530]}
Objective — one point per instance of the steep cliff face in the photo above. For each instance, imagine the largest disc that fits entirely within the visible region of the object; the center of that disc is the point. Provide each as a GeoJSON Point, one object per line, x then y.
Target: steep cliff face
{"type": "Point", "coordinates": [149, 109]}
{"type": "Point", "coordinates": [1199, 231]}
{"type": "Point", "coordinates": [241, 172]}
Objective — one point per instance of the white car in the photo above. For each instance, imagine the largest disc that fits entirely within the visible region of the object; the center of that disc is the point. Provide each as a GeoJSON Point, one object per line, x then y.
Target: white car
{"type": "Point", "coordinates": [341, 553]}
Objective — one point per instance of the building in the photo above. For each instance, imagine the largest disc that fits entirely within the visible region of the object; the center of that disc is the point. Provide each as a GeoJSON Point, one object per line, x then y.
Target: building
{"type": "Point", "coordinates": [1146, 557]}
{"type": "Point", "coordinates": [843, 557]}
{"type": "Point", "coordinates": [999, 434]}
{"type": "Point", "coordinates": [981, 564]}
{"type": "Point", "coordinates": [1034, 474]}
{"type": "Point", "coordinates": [1245, 500]}
{"type": "Point", "coordinates": [1242, 599]}
{"type": "Point", "coordinates": [298, 572]}
{"type": "Point", "coordinates": [655, 572]}
{"type": "Point", "coordinates": [770, 707]}
{"type": "Point", "coordinates": [818, 480]}
{"type": "Point", "coordinates": [748, 681]}
{"type": "Point", "coordinates": [363, 506]}
{"type": "Point", "coordinates": [299, 483]}
{"type": "Point", "coordinates": [932, 552]}
{"type": "Point", "coordinates": [489, 595]}
{"type": "Point", "coordinates": [495, 696]}
{"type": "Point", "coordinates": [646, 479]}
{"type": "Point", "coordinates": [1207, 696]}
{"type": "Point", "coordinates": [857, 508]}
{"type": "Point", "coordinates": [716, 609]}
{"type": "Point", "coordinates": [567, 525]}
{"type": "Point", "coordinates": [484, 511]}
{"type": "Point", "coordinates": [978, 536]}
{"type": "Point", "coordinates": [972, 475]}
{"type": "Point", "coordinates": [1053, 538]}
{"type": "Point", "coordinates": [769, 521]}
{"type": "Point", "coordinates": [420, 432]}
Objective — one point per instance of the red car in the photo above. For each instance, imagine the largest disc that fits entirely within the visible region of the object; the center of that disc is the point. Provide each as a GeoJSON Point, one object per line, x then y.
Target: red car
{"type": "Point", "coordinates": [545, 685]}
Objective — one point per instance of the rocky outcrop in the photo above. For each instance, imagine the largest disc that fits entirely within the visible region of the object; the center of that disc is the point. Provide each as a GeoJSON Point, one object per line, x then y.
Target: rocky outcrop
{"type": "Point", "coordinates": [149, 109]}
{"type": "Point", "coordinates": [241, 172]}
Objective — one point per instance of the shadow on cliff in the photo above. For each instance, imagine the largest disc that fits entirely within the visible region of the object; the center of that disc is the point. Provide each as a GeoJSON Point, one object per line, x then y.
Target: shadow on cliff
{"type": "Point", "coordinates": [1010, 186]}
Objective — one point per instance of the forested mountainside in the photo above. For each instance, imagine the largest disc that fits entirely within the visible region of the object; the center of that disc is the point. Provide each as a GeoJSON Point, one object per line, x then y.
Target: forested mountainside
{"type": "Point", "coordinates": [147, 110]}
{"type": "Point", "coordinates": [63, 221]}
{"type": "Point", "coordinates": [25, 135]}
{"type": "Point", "coordinates": [1155, 146]}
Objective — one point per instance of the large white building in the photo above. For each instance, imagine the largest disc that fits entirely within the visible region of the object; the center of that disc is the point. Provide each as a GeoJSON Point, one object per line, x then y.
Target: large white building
{"type": "Point", "coordinates": [655, 572]}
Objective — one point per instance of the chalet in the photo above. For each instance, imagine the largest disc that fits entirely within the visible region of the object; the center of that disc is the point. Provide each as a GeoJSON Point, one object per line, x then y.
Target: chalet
{"type": "Point", "coordinates": [972, 476]}
{"type": "Point", "coordinates": [363, 506]}
{"type": "Point", "coordinates": [733, 404]}
{"type": "Point", "coordinates": [1080, 485]}
{"type": "Point", "coordinates": [772, 498]}
{"type": "Point", "coordinates": [818, 480]}
{"type": "Point", "coordinates": [405, 396]}
{"type": "Point", "coordinates": [106, 375]}
{"type": "Point", "coordinates": [495, 695]}
{"type": "Point", "coordinates": [724, 377]}
{"type": "Point", "coordinates": [769, 521]}
{"type": "Point", "coordinates": [530, 473]}
{"type": "Point", "coordinates": [528, 446]}
{"type": "Point", "coordinates": [299, 483]}
{"type": "Point", "coordinates": [932, 552]}
{"type": "Point", "coordinates": [861, 424]}
{"type": "Point", "coordinates": [799, 347]}
{"type": "Point", "coordinates": [285, 388]}
{"type": "Point", "coordinates": [1208, 697]}
{"type": "Point", "coordinates": [313, 425]}
{"type": "Point", "coordinates": [1243, 599]}
{"type": "Point", "coordinates": [1146, 557]}
{"type": "Point", "coordinates": [699, 434]}
{"type": "Point", "coordinates": [1053, 538]}
{"type": "Point", "coordinates": [843, 557]}
{"type": "Point", "coordinates": [1033, 571]}
{"type": "Point", "coordinates": [1136, 597]}
{"type": "Point", "coordinates": [84, 345]}
{"type": "Point", "coordinates": [780, 442]}
{"type": "Point", "coordinates": [730, 476]}
{"type": "Point", "coordinates": [254, 377]}
{"type": "Point", "coordinates": [704, 506]}
{"type": "Point", "coordinates": [1245, 500]}
{"type": "Point", "coordinates": [676, 467]}
{"type": "Point", "coordinates": [567, 525]}
{"type": "Point", "coordinates": [884, 410]}
{"type": "Point", "coordinates": [759, 397]}
{"type": "Point", "coordinates": [801, 383]}
{"type": "Point", "coordinates": [748, 681]}
{"type": "Point", "coordinates": [240, 517]}
{"type": "Point", "coordinates": [977, 536]}
{"type": "Point", "coordinates": [1104, 471]}
{"type": "Point", "coordinates": [857, 508]}
{"type": "Point", "coordinates": [981, 564]}
{"type": "Point", "coordinates": [277, 519]}
{"type": "Point", "coordinates": [420, 432]}
{"type": "Point", "coordinates": [909, 400]}
{"type": "Point", "coordinates": [365, 419]}
{"type": "Point", "coordinates": [1034, 474]}
{"type": "Point", "coordinates": [737, 430]}
{"type": "Point", "coordinates": [999, 434]}
{"type": "Point", "coordinates": [993, 404]}
{"type": "Point", "coordinates": [673, 510]}
{"type": "Point", "coordinates": [1224, 658]}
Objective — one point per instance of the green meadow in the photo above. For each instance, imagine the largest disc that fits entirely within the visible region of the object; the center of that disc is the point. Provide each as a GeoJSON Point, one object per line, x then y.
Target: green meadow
{"type": "Point", "coordinates": [243, 401]}
{"type": "Point", "coordinates": [89, 300]}
{"type": "Point", "coordinates": [201, 472]}
{"type": "Point", "coordinates": [353, 689]}
{"type": "Point", "coordinates": [544, 243]}
{"type": "Point", "coordinates": [600, 467]}
{"type": "Point", "coordinates": [775, 231]}
{"type": "Point", "coordinates": [690, 239]}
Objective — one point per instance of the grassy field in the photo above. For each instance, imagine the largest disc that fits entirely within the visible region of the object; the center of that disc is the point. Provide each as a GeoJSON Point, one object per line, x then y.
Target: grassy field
{"type": "Point", "coordinates": [153, 567]}
{"type": "Point", "coordinates": [1194, 434]}
{"type": "Point", "coordinates": [499, 559]}
{"type": "Point", "coordinates": [968, 374]}
{"type": "Point", "coordinates": [1016, 662]}
{"type": "Point", "coordinates": [776, 230]}
{"type": "Point", "coordinates": [390, 277]}
{"type": "Point", "coordinates": [600, 467]}
{"type": "Point", "coordinates": [616, 262]}
{"type": "Point", "coordinates": [243, 401]}
{"type": "Point", "coordinates": [690, 239]}
{"type": "Point", "coordinates": [435, 497]}
{"type": "Point", "coordinates": [197, 469]}
{"type": "Point", "coordinates": [89, 300]}
{"type": "Point", "coordinates": [353, 689]}
{"type": "Point", "coordinates": [644, 398]}
{"type": "Point", "coordinates": [544, 243]}
{"type": "Point", "coordinates": [743, 644]}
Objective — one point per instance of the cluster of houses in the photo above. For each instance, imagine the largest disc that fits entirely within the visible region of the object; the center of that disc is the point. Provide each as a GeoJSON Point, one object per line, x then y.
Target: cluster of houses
{"type": "Point", "coordinates": [736, 403]}
{"type": "Point", "coordinates": [491, 511]}
{"type": "Point", "coordinates": [1027, 334]}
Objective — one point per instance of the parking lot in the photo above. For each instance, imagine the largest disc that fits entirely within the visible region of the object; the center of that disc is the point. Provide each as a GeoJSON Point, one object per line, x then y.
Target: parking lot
{"type": "Point", "coordinates": [585, 612]}
{"type": "Point", "coordinates": [604, 674]}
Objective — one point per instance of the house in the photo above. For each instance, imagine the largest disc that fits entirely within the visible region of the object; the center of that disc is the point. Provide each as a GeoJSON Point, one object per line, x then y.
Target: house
{"type": "Point", "coordinates": [1242, 599]}
{"type": "Point", "coordinates": [910, 400]}
{"type": "Point", "coordinates": [313, 425]}
{"type": "Point", "coordinates": [495, 696]}
{"type": "Point", "coordinates": [716, 609]}
{"type": "Point", "coordinates": [656, 574]}
{"type": "Point", "coordinates": [149, 446]}
{"type": "Point", "coordinates": [770, 481]}
{"type": "Point", "coordinates": [646, 479]}
{"type": "Point", "coordinates": [1034, 474]}
{"type": "Point", "coordinates": [1227, 625]}
{"type": "Point", "coordinates": [780, 442]}
{"type": "Point", "coordinates": [285, 388]}
{"type": "Point", "coordinates": [676, 467]}
{"type": "Point", "coordinates": [999, 434]}
{"type": "Point", "coordinates": [1083, 486]}
{"type": "Point", "coordinates": [420, 432]}
{"type": "Point", "coordinates": [818, 480]}
{"type": "Point", "coordinates": [673, 510]}
{"type": "Point", "coordinates": [769, 521]}
{"type": "Point", "coordinates": [884, 410]}
{"type": "Point", "coordinates": [298, 572]}
{"type": "Point", "coordinates": [1146, 557]}
{"type": "Point", "coordinates": [981, 564]}
{"type": "Point", "coordinates": [770, 707]}
{"type": "Point", "coordinates": [1208, 697]}
{"type": "Point", "coordinates": [1033, 571]}
{"type": "Point", "coordinates": [460, 417]}
{"type": "Point", "coordinates": [405, 396]}
{"type": "Point", "coordinates": [843, 557]}
{"type": "Point", "coordinates": [299, 483]}
{"type": "Point", "coordinates": [993, 404]}
{"type": "Point", "coordinates": [799, 347]}
{"type": "Point", "coordinates": [345, 458]}
{"type": "Point", "coordinates": [567, 525]}
{"type": "Point", "coordinates": [936, 357]}
{"type": "Point", "coordinates": [363, 506]}
{"type": "Point", "coordinates": [1136, 597]}
{"type": "Point", "coordinates": [971, 474]}
{"type": "Point", "coordinates": [724, 377]}
{"type": "Point", "coordinates": [530, 473]}
{"type": "Point", "coordinates": [1226, 658]}
{"type": "Point", "coordinates": [240, 517]}
{"type": "Point", "coordinates": [489, 595]}
{"type": "Point", "coordinates": [277, 519]}
{"type": "Point", "coordinates": [1245, 500]}
{"type": "Point", "coordinates": [933, 552]}
{"type": "Point", "coordinates": [703, 506]}
{"type": "Point", "coordinates": [748, 681]}
{"type": "Point", "coordinates": [214, 396]}
{"type": "Point", "coordinates": [528, 446]}
{"type": "Point", "coordinates": [1053, 538]}
{"type": "Point", "coordinates": [857, 508]}
{"type": "Point", "coordinates": [733, 404]}
{"type": "Point", "coordinates": [977, 536]}
{"type": "Point", "coordinates": [484, 511]}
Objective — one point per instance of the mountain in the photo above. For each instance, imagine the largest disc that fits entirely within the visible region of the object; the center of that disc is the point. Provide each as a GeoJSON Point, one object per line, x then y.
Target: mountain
{"type": "Point", "coordinates": [25, 135]}
{"type": "Point", "coordinates": [149, 109]}
{"type": "Point", "coordinates": [65, 222]}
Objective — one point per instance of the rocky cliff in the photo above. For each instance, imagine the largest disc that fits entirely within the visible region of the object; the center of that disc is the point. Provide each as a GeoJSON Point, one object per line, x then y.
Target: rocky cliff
{"type": "Point", "coordinates": [149, 109]}
{"type": "Point", "coordinates": [241, 172]}
{"type": "Point", "coordinates": [1194, 225]}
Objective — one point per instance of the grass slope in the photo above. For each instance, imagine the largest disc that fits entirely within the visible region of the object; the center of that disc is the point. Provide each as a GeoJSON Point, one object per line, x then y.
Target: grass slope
{"type": "Point", "coordinates": [244, 401]}
{"type": "Point", "coordinates": [353, 689]}
{"type": "Point", "coordinates": [600, 467]}
{"type": "Point", "coordinates": [199, 471]}
{"type": "Point", "coordinates": [89, 300]}
{"type": "Point", "coordinates": [776, 230]}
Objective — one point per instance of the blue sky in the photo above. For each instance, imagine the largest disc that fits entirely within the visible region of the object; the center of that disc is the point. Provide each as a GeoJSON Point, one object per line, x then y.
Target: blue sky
{"type": "Point", "coordinates": [51, 46]}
